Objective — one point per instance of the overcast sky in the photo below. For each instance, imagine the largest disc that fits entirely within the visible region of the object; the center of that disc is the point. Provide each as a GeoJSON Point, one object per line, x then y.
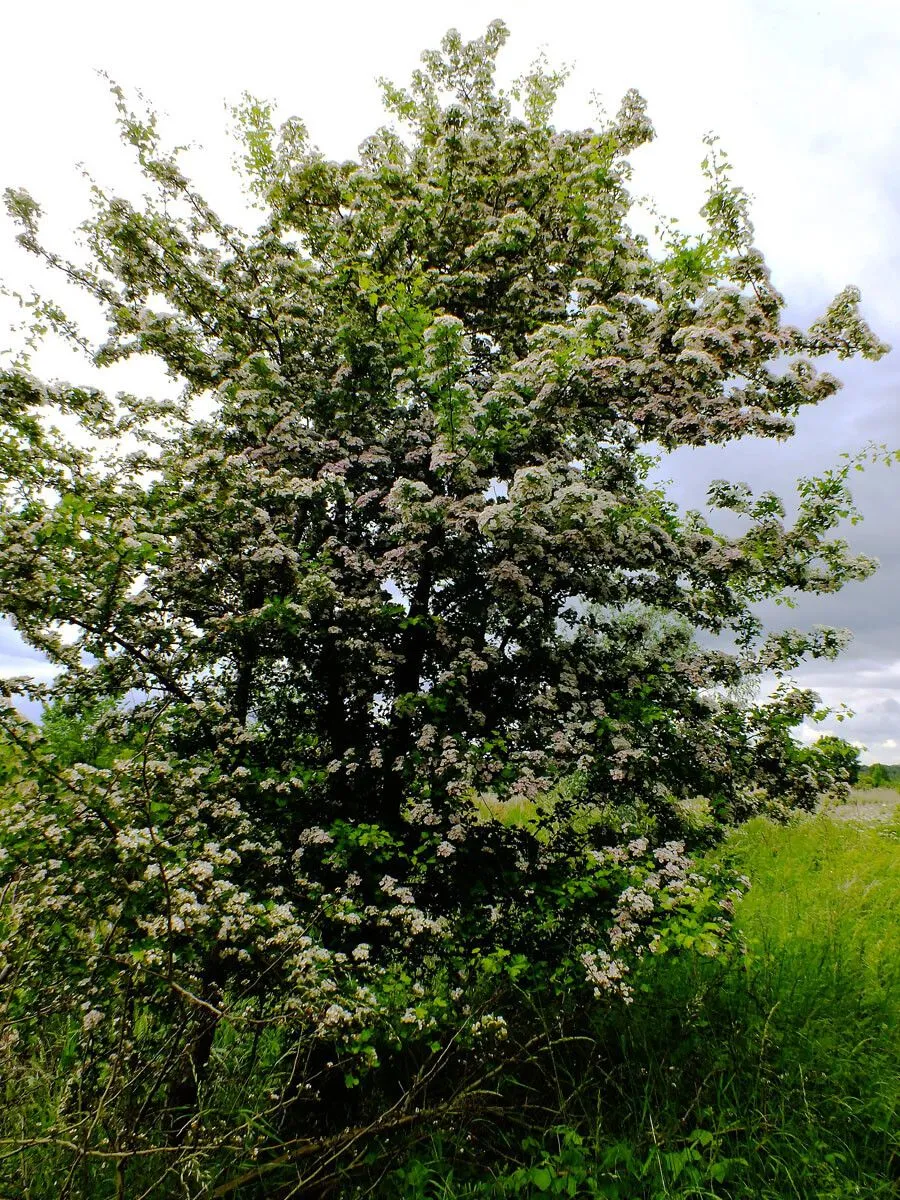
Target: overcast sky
{"type": "Point", "coordinates": [805, 96]}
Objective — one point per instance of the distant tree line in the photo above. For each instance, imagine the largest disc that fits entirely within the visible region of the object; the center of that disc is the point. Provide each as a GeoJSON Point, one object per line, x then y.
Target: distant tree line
{"type": "Point", "coordinates": [879, 775]}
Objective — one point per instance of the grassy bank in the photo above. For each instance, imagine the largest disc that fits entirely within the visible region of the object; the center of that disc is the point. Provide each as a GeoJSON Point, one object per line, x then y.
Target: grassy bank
{"type": "Point", "coordinates": [776, 1075]}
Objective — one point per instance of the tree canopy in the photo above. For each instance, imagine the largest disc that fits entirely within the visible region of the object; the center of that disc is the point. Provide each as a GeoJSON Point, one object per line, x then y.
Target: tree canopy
{"type": "Point", "coordinates": [408, 571]}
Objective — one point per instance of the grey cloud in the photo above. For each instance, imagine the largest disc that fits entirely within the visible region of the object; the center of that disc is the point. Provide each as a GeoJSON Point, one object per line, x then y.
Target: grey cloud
{"type": "Point", "coordinates": [16, 656]}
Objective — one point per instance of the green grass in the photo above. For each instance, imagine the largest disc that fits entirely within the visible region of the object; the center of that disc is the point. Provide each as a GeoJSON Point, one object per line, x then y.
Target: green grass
{"type": "Point", "coordinates": [774, 1076]}
{"type": "Point", "coordinates": [823, 974]}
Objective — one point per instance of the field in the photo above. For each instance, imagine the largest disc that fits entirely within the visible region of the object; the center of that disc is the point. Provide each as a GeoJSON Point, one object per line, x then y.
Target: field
{"type": "Point", "coordinates": [868, 806]}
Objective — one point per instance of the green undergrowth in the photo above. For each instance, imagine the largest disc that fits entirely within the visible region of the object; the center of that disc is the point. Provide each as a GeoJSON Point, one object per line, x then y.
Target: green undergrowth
{"type": "Point", "coordinates": [771, 1075]}
{"type": "Point", "coordinates": [776, 1075]}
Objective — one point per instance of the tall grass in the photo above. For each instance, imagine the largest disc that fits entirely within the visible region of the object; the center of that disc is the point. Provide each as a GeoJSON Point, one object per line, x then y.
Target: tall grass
{"type": "Point", "coordinates": [776, 1075]}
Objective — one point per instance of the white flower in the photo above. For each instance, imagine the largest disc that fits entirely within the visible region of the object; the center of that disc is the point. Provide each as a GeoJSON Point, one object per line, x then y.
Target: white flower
{"type": "Point", "coordinates": [335, 1015]}
{"type": "Point", "coordinates": [315, 836]}
{"type": "Point", "coordinates": [91, 1019]}
{"type": "Point", "coordinates": [606, 974]}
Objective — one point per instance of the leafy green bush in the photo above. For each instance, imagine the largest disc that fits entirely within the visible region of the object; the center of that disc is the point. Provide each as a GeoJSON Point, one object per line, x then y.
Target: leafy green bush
{"type": "Point", "coordinates": [843, 754]}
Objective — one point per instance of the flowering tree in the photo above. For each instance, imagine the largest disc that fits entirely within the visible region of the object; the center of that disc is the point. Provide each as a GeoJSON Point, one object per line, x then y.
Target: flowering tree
{"type": "Point", "coordinates": [407, 574]}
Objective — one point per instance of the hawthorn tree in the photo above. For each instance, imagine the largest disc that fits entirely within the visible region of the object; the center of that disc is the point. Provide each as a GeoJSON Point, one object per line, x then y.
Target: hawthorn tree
{"type": "Point", "coordinates": [407, 573]}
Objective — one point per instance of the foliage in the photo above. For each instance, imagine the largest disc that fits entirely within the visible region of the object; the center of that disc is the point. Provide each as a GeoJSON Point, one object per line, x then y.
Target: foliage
{"type": "Point", "coordinates": [407, 566]}
{"type": "Point", "coordinates": [843, 754]}
{"type": "Point", "coordinates": [877, 775]}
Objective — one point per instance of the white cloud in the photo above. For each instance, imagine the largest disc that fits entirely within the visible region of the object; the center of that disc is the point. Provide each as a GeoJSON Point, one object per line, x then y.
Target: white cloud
{"type": "Point", "coordinates": [872, 693]}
